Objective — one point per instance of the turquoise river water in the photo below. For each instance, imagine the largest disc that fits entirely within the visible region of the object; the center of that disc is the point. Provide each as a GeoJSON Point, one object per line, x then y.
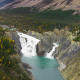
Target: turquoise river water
{"type": "Point", "coordinates": [43, 68]}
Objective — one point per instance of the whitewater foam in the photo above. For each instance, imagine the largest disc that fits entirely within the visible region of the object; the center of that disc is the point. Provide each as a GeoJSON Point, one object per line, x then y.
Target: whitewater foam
{"type": "Point", "coordinates": [51, 53]}
{"type": "Point", "coordinates": [29, 43]}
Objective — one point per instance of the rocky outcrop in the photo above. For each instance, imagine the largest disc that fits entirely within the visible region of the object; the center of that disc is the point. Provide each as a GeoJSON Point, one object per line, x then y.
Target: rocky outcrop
{"type": "Point", "coordinates": [15, 37]}
{"type": "Point", "coordinates": [26, 66]}
{"type": "Point", "coordinates": [40, 49]}
{"type": "Point", "coordinates": [45, 44]}
{"type": "Point", "coordinates": [48, 38]}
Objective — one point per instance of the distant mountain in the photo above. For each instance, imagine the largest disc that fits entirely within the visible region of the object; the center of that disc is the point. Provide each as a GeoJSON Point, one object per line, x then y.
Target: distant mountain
{"type": "Point", "coordinates": [42, 4]}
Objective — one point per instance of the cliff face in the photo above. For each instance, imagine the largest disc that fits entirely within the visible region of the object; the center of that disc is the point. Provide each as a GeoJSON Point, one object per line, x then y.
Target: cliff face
{"type": "Point", "coordinates": [42, 4]}
{"type": "Point", "coordinates": [67, 53]}
{"type": "Point", "coordinates": [48, 38]}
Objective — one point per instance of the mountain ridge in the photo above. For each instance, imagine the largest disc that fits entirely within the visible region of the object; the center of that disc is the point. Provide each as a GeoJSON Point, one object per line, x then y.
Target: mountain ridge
{"type": "Point", "coordinates": [42, 4]}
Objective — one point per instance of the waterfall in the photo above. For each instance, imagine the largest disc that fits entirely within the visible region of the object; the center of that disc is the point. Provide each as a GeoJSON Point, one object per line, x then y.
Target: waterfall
{"type": "Point", "coordinates": [28, 44]}
{"type": "Point", "coordinates": [49, 55]}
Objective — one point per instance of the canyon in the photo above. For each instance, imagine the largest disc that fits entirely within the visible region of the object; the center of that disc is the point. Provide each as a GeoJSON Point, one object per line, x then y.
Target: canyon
{"type": "Point", "coordinates": [67, 50]}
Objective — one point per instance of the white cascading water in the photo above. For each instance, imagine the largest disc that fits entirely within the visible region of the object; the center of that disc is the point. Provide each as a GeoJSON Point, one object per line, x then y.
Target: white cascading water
{"type": "Point", "coordinates": [28, 44]}
{"type": "Point", "coordinates": [49, 55]}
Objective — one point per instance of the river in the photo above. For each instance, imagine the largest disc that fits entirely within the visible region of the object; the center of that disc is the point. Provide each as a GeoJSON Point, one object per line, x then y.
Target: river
{"type": "Point", "coordinates": [43, 68]}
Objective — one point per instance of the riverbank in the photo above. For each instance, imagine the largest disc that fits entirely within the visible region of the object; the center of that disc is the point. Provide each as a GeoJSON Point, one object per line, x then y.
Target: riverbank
{"type": "Point", "coordinates": [62, 66]}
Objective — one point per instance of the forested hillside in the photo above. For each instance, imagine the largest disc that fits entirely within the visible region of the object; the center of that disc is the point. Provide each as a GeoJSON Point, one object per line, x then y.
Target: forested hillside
{"type": "Point", "coordinates": [43, 21]}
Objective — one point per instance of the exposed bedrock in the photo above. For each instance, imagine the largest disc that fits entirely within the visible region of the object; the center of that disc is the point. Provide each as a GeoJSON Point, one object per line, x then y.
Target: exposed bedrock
{"type": "Point", "coordinates": [48, 38]}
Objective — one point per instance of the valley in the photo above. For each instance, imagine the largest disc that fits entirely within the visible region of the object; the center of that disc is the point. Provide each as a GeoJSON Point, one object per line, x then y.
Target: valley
{"type": "Point", "coordinates": [49, 22]}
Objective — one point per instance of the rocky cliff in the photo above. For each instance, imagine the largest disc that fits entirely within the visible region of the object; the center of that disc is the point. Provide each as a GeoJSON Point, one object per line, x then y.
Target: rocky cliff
{"type": "Point", "coordinates": [48, 38]}
{"type": "Point", "coordinates": [67, 53]}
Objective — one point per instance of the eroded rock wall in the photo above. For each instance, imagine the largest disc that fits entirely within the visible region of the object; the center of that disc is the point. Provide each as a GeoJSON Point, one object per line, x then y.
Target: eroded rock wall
{"type": "Point", "coordinates": [67, 53]}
